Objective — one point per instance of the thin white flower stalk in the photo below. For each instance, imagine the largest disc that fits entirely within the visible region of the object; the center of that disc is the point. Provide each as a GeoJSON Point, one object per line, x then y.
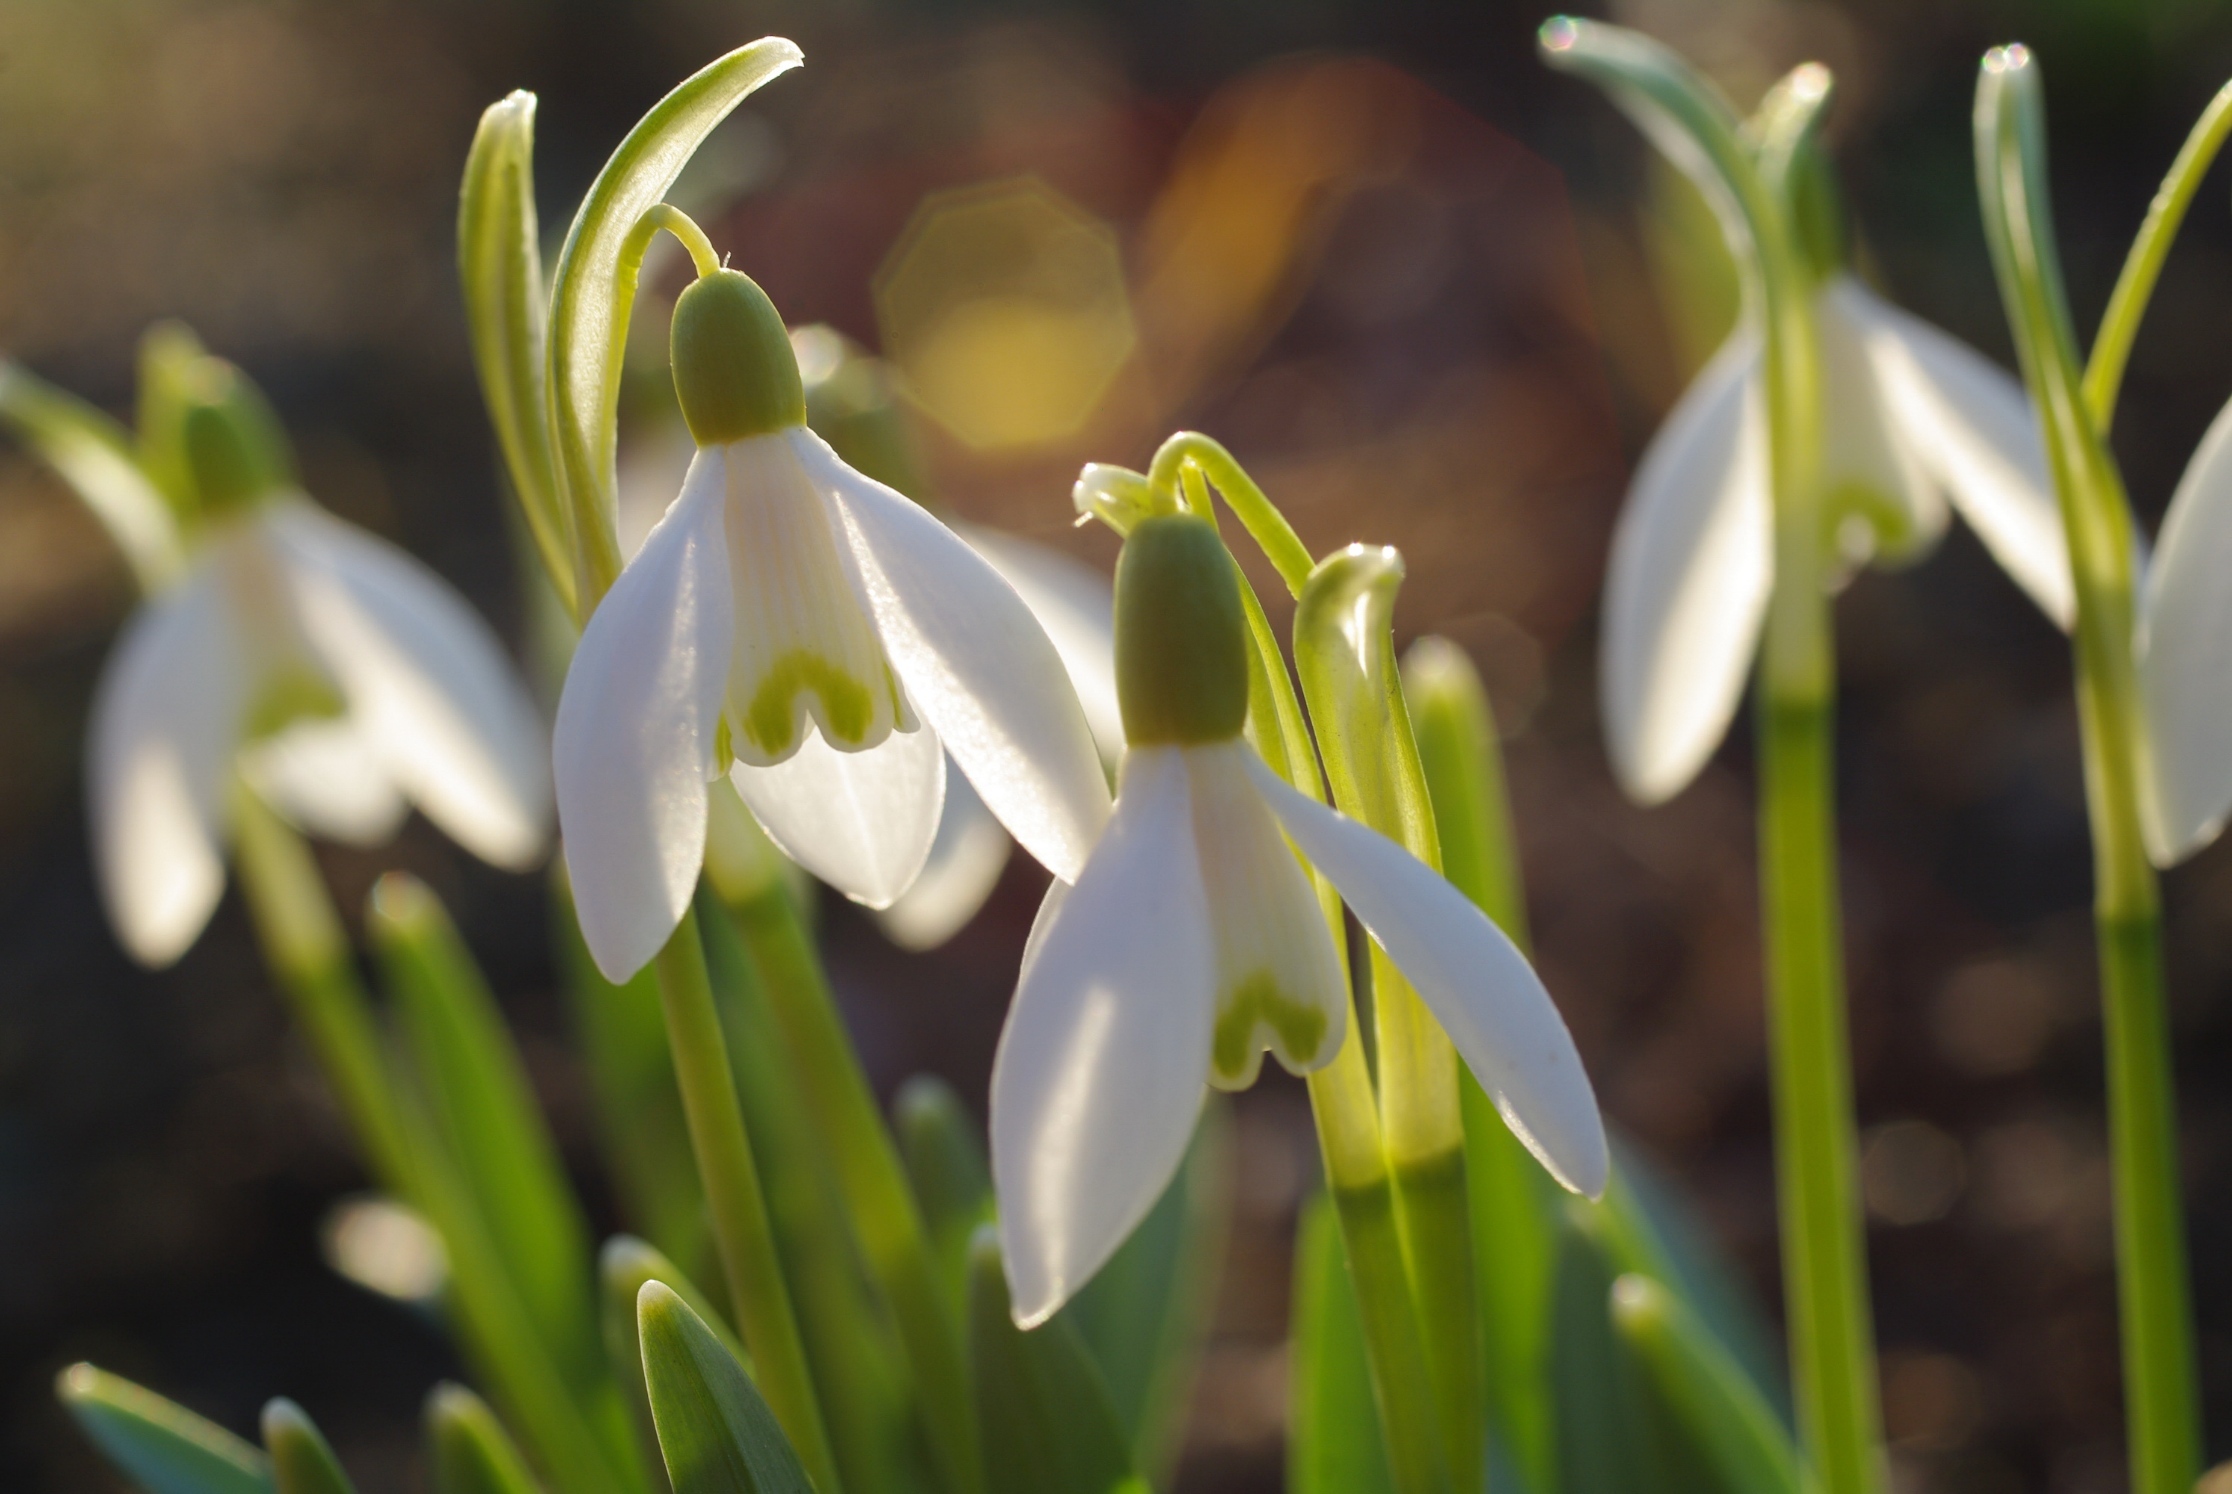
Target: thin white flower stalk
{"type": "Point", "coordinates": [816, 636]}
{"type": "Point", "coordinates": [342, 679]}
{"type": "Point", "coordinates": [1911, 418]}
{"type": "Point", "coordinates": [1192, 942]}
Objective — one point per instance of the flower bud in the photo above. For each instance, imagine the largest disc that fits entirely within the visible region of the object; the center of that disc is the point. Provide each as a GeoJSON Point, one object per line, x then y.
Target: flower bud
{"type": "Point", "coordinates": [235, 450]}
{"type": "Point", "coordinates": [734, 371]}
{"type": "Point", "coordinates": [1181, 636]}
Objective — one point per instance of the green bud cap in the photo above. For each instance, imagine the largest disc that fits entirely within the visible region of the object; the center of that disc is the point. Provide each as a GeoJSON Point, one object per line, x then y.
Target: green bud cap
{"type": "Point", "coordinates": [733, 367]}
{"type": "Point", "coordinates": [236, 452]}
{"type": "Point", "coordinates": [1181, 637]}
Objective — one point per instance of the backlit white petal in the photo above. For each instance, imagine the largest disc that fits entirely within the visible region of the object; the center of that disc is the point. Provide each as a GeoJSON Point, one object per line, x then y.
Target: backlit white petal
{"type": "Point", "coordinates": [327, 778]}
{"type": "Point", "coordinates": [1864, 468]}
{"type": "Point", "coordinates": [1687, 586]}
{"type": "Point", "coordinates": [976, 664]}
{"type": "Point", "coordinates": [861, 821]}
{"type": "Point", "coordinates": [966, 858]}
{"type": "Point", "coordinates": [1473, 978]}
{"type": "Point", "coordinates": [2185, 656]}
{"type": "Point", "coordinates": [1970, 425]}
{"type": "Point", "coordinates": [806, 647]}
{"type": "Point", "coordinates": [633, 745]}
{"type": "Point", "coordinates": [1104, 1061]}
{"type": "Point", "coordinates": [166, 721]}
{"type": "Point", "coordinates": [1077, 607]}
{"type": "Point", "coordinates": [1279, 982]}
{"type": "Point", "coordinates": [427, 683]}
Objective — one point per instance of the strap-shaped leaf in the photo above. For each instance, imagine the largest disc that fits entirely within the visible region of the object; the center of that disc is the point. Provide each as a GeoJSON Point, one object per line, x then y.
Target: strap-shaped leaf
{"type": "Point", "coordinates": [159, 1444]}
{"type": "Point", "coordinates": [1334, 1443]}
{"type": "Point", "coordinates": [623, 1266]}
{"type": "Point", "coordinates": [94, 455]}
{"type": "Point", "coordinates": [302, 1461]}
{"type": "Point", "coordinates": [590, 304]}
{"type": "Point", "coordinates": [946, 1166]}
{"type": "Point", "coordinates": [499, 267]}
{"type": "Point", "coordinates": [717, 1434]}
{"type": "Point", "coordinates": [1741, 1434]}
{"type": "Point", "coordinates": [477, 1088]}
{"type": "Point", "coordinates": [468, 1447]}
{"type": "Point", "coordinates": [1042, 1408]}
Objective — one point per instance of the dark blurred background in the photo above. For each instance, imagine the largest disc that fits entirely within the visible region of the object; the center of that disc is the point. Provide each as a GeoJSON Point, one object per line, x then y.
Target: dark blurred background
{"type": "Point", "coordinates": [1429, 293]}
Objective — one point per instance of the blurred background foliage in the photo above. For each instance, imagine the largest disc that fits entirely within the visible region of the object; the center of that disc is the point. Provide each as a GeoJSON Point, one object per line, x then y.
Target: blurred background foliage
{"type": "Point", "coordinates": [1430, 294]}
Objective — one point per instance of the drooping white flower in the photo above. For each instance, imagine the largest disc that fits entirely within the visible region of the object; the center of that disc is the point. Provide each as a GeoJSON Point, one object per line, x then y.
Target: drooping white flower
{"type": "Point", "coordinates": [344, 679]}
{"type": "Point", "coordinates": [1910, 418]}
{"type": "Point", "coordinates": [1192, 942]}
{"type": "Point", "coordinates": [819, 637]}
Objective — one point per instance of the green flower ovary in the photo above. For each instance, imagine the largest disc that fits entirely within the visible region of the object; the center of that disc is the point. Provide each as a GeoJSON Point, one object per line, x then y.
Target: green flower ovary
{"type": "Point", "coordinates": [1257, 1002]}
{"type": "Point", "coordinates": [1181, 636]}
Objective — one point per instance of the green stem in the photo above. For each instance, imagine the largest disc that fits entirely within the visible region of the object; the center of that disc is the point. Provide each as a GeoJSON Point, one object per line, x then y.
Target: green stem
{"type": "Point", "coordinates": [869, 1174]}
{"type": "Point", "coordinates": [732, 1193]}
{"type": "Point", "coordinates": [2119, 324]}
{"type": "Point", "coordinates": [1256, 512]}
{"type": "Point", "coordinates": [2156, 1320]}
{"type": "Point", "coordinates": [308, 953]}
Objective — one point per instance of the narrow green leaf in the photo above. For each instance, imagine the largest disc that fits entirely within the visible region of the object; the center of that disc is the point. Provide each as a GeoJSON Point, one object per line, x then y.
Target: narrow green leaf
{"type": "Point", "coordinates": [499, 265]}
{"type": "Point", "coordinates": [1043, 1412]}
{"type": "Point", "coordinates": [1741, 1434]}
{"type": "Point", "coordinates": [468, 1447]}
{"type": "Point", "coordinates": [717, 1434]}
{"type": "Point", "coordinates": [952, 1180]}
{"type": "Point", "coordinates": [159, 1444]}
{"type": "Point", "coordinates": [590, 305]}
{"type": "Point", "coordinates": [1145, 1314]}
{"type": "Point", "coordinates": [1334, 1443]}
{"type": "Point", "coordinates": [859, 1372]}
{"type": "Point", "coordinates": [302, 1461]}
{"type": "Point", "coordinates": [477, 1088]}
{"type": "Point", "coordinates": [623, 1266]}
{"type": "Point", "coordinates": [94, 455]}
{"type": "Point", "coordinates": [641, 1128]}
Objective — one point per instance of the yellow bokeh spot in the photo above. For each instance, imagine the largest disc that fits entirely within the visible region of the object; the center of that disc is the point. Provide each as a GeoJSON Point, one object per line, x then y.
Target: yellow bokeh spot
{"type": "Point", "coordinates": [1004, 308]}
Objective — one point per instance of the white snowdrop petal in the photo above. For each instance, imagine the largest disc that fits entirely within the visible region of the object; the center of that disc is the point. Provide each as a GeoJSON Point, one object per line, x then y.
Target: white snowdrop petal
{"type": "Point", "coordinates": [633, 745]}
{"type": "Point", "coordinates": [165, 724]}
{"type": "Point", "coordinates": [1863, 465]}
{"type": "Point", "coordinates": [427, 684]}
{"type": "Point", "coordinates": [1077, 607]}
{"type": "Point", "coordinates": [1104, 1061]}
{"type": "Point", "coordinates": [976, 664]}
{"type": "Point", "coordinates": [806, 648]}
{"type": "Point", "coordinates": [2185, 656]}
{"type": "Point", "coordinates": [1473, 978]}
{"type": "Point", "coordinates": [327, 778]}
{"type": "Point", "coordinates": [1279, 981]}
{"type": "Point", "coordinates": [861, 821]}
{"type": "Point", "coordinates": [1688, 581]}
{"type": "Point", "coordinates": [967, 856]}
{"type": "Point", "coordinates": [1969, 423]}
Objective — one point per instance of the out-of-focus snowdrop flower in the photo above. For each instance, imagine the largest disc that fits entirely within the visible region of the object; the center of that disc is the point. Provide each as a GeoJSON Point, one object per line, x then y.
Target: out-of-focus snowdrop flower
{"type": "Point", "coordinates": [1910, 418]}
{"type": "Point", "coordinates": [817, 636]}
{"type": "Point", "coordinates": [1191, 942]}
{"type": "Point", "coordinates": [343, 680]}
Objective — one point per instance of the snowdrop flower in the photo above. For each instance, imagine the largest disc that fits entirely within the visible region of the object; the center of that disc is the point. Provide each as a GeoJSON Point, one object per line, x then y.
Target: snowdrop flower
{"type": "Point", "coordinates": [818, 637]}
{"type": "Point", "coordinates": [1192, 942]}
{"type": "Point", "coordinates": [1910, 417]}
{"type": "Point", "coordinates": [341, 678]}
{"type": "Point", "coordinates": [851, 404]}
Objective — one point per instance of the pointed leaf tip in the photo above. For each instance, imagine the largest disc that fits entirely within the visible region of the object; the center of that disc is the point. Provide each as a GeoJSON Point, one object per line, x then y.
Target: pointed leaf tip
{"type": "Point", "coordinates": [302, 1461]}
{"type": "Point", "coordinates": [715, 1431]}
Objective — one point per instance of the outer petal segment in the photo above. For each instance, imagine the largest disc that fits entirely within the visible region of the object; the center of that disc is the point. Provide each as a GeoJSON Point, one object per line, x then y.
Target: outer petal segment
{"type": "Point", "coordinates": [329, 779]}
{"type": "Point", "coordinates": [976, 665]}
{"type": "Point", "coordinates": [633, 745]}
{"type": "Point", "coordinates": [1968, 421]}
{"type": "Point", "coordinates": [427, 683]}
{"type": "Point", "coordinates": [166, 721]}
{"type": "Point", "coordinates": [1475, 980]}
{"type": "Point", "coordinates": [1077, 607]}
{"type": "Point", "coordinates": [1691, 566]}
{"type": "Point", "coordinates": [1105, 1058]}
{"type": "Point", "coordinates": [2185, 656]}
{"type": "Point", "coordinates": [861, 821]}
